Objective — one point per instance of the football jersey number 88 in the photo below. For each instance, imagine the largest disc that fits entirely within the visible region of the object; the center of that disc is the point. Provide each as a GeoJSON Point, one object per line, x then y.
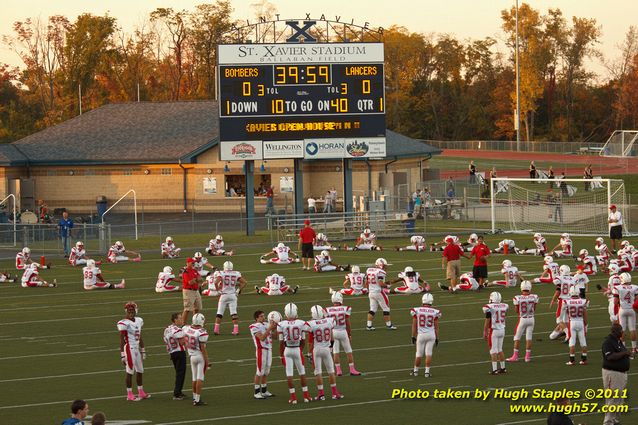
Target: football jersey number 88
{"type": "Point", "coordinates": [322, 335]}
{"type": "Point", "coordinates": [426, 321]}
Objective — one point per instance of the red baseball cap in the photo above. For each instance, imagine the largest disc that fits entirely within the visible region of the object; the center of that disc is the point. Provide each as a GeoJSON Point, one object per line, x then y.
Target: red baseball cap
{"type": "Point", "coordinates": [612, 207]}
{"type": "Point", "coordinates": [580, 267]}
{"type": "Point", "coordinates": [189, 260]}
{"type": "Point", "coordinates": [306, 222]}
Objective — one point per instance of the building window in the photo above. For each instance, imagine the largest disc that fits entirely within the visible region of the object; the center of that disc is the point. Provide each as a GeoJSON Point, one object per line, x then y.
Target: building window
{"type": "Point", "coordinates": [128, 171]}
{"type": "Point", "coordinates": [166, 171]}
{"type": "Point", "coordinates": [237, 183]}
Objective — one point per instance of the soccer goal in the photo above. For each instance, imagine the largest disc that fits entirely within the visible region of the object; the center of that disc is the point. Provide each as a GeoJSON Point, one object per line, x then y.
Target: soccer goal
{"type": "Point", "coordinates": [621, 143]}
{"type": "Point", "coordinates": [576, 206]}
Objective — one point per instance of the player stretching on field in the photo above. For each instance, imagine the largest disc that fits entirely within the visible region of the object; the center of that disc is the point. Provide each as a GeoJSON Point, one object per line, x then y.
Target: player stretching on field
{"type": "Point", "coordinates": [355, 283]}
{"type": "Point", "coordinates": [411, 281]}
{"type": "Point", "coordinates": [525, 307]}
{"type": "Point", "coordinates": [281, 255]}
{"type": "Point", "coordinates": [93, 278]}
{"type": "Point", "coordinates": [550, 271]}
{"type": "Point", "coordinates": [168, 249]}
{"type": "Point", "coordinates": [319, 340]}
{"type": "Point", "coordinates": [216, 247]}
{"type": "Point", "coordinates": [541, 246]}
{"type": "Point", "coordinates": [417, 243]}
{"type": "Point", "coordinates": [425, 332]}
{"type": "Point", "coordinates": [117, 254]}
{"type": "Point", "coordinates": [342, 332]}
{"type": "Point", "coordinates": [510, 274]}
{"type": "Point", "coordinates": [78, 255]}
{"type": "Point", "coordinates": [494, 331]}
{"type": "Point", "coordinates": [165, 280]}
{"type": "Point", "coordinates": [291, 344]}
{"type": "Point", "coordinates": [589, 262]}
{"type": "Point", "coordinates": [276, 285]}
{"type": "Point", "coordinates": [23, 259]}
{"type": "Point", "coordinates": [367, 241]}
{"type": "Point", "coordinates": [132, 350]}
{"type": "Point", "coordinates": [566, 246]}
{"type": "Point", "coordinates": [31, 278]}
{"type": "Point", "coordinates": [261, 331]}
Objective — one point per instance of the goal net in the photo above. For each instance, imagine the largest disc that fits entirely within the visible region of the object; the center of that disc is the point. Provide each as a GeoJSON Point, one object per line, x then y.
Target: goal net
{"type": "Point", "coordinates": [576, 206]}
{"type": "Point", "coordinates": [621, 143]}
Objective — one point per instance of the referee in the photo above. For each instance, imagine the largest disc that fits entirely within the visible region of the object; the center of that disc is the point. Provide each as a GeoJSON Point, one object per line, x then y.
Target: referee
{"type": "Point", "coordinates": [307, 236]}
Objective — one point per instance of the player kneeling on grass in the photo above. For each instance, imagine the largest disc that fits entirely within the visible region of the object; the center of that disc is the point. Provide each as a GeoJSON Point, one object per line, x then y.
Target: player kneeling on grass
{"type": "Point", "coordinates": [367, 241]}
{"type": "Point", "coordinates": [196, 339]}
{"type": "Point", "coordinates": [417, 243]}
{"type": "Point", "coordinates": [93, 278]}
{"type": "Point", "coordinates": [425, 332]}
{"type": "Point", "coordinates": [292, 338]}
{"type": "Point", "coordinates": [118, 253]}
{"type": "Point", "coordinates": [625, 295]}
{"type": "Point", "coordinates": [169, 250]}
{"type": "Point", "coordinates": [466, 283]}
{"type": "Point", "coordinates": [342, 333]}
{"type": "Point", "coordinates": [323, 263]}
{"type": "Point", "coordinates": [132, 351]}
{"type": "Point", "coordinates": [550, 271]}
{"type": "Point", "coordinates": [216, 247]}
{"type": "Point", "coordinates": [577, 314]}
{"type": "Point", "coordinates": [411, 281]}
{"type": "Point", "coordinates": [31, 278]}
{"type": "Point", "coordinates": [355, 283]}
{"type": "Point", "coordinates": [261, 331]}
{"type": "Point", "coordinates": [165, 280]}
{"type": "Point", "coordinates": [539, 242]}
{"type": "Point", "coordinates": [322, 243]}
{"type": "Point", "coordinates": [502, 245]}
{"type": "Point", "coordinates": [494, 331]}
{"type": "Point", "coordinates": [566, 247]}
{"type": "Point", "coordinates": [525, 307]}
{"type": "Point", "coordinates": [589, 266]}
{"type": "Point", "coordinates": [320, 339]}
{"type": "Point", "coordinates": [376, 292]}
{"type": "Point", "coordinates": [281, 255]}
{"type": "Point", "coordinates": [227, 283]}
{"type": "Point", "coordinates": [23, 259]}
{"type": "Point", "coordinates": [563, 284]}
{"type": "Point", "coordinates": [276, 285]}
{"type": "Point", "coordinates": [510, 274]}
{"type": "Point", "coordinates": [78, 255]}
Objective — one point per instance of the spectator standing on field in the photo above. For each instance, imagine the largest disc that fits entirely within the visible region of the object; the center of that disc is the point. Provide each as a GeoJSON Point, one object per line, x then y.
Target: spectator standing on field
{"type": "Point", "coordinates": [65, 225]}
{"type": "Point", "coordinates": [472, 169]}
{"type": "Point", "coordinates": [481, 253]}
{"type": "Point", "coordinates": [532, 170]}
{"type": "Point", "coordinates": [615, 226]}
{"type": "Point", "coordinates": [307, 238]}
{"type": "Point", "coordinates": [615, 368]}
{"type": "Point", "coordinates": [79, 411]}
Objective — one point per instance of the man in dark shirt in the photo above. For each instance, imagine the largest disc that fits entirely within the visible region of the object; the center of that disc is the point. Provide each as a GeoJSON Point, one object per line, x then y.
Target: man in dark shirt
{"type": "Point", "coordinates": [615, 367]}
{"type": "Point", "coordinates": [559, 417]}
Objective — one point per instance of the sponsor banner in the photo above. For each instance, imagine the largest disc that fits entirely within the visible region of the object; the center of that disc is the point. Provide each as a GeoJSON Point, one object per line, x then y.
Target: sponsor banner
{"type": "Point", "coordinates": [365, 147]}
{"type": "Point", "coordinates": [237, 54]}
{"type": "Point", "coordinates": [283, 149]}
{"type": "Point", "coordinates": [324, 148]}
{"type": "Point", "coordinates": [239, 151]}
{"type": "Point", "coordinates": [286, 184]}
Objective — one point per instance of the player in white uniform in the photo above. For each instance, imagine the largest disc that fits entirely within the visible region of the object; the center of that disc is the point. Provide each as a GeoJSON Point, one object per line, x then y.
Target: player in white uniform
{"type": "Point", "coordinates": [417, 243]}
{"type": "Point", "coordinates": [589, 262]}
{"type": "Point", "coordinates": [375, 278]}
{"type": "Point", "coordinates": [276, 285]}
{"type": "Point", "coordinates": [494, 331]}
{"type": "Point", "coordinates": [261, 331]}
{"type": "Point", "coordinates": [614, 280]}
{"type": "Point", "coordinates": [625, 295]}
{"type": "Point", "coordinates": [201, 263]}
{"type": "Point", "coordinates": [342, 332]}
{"type": "Point", "coordinates": [563, 282]}
{"type": "Point", "coordinates": [367, 241]}
{"type": "Point", "coordinates": [411, 283]}
{"type": "Point", "coordinates": [425, 333]}
{"type": "Point", "coordinates": [320, 330]}
{"type": "Point", "coordinates": [511, 276]}
{"type": "Point", "coordinates": [354, 284]}
{"type": "Point", "coordinates": [176, 348]}
{"type": "Point", "coordinates": [132, 351]}
{"type": "Point", "coordinates": [323, 263]}
{"type": "Point", "coordinates": [31, 278]}
{"type": "Point", "coordinates": [211, 287]}
{"type": "Point", "coordinates": [539, 242]}
{"type": "Point", "coordinates": [525, 307]}
{"type": "Point", "coordinates": [292, 338]}
{"type": "Point", "coordinates": [509, 243]}
{"type": "Point", "coordinates": [472, 240]}
{"type": "Point", "coordinates": [550, 271]}
{"type": "Point", "coordinates": [633, 253]}
{"type": "Point", "coordinates": [625, 261]}
{"type": "Point", "coordinates": [321, 243]}
{"type": "Point", "coordinates": [6, 277]}
{"type": "Point", "coordinates": [603, 252]}
{"type": "Point", "coordinates": [196, 338]}
{"type": "Point", "coordinates": [581, 281]}
{"type": "Point", "coordinates": [216, 247]}
{"type": "Point", "coordinates": [226, 283]}
{"type": "Point", "coordinates": [78, 255]}
{"type": "Point", "coordinates": [466, 283]}
{"type": "Point", "coordinates": [280, 254]}
{"type": "Point", "coordinates": [577, 314]}
{"type": "Point", "coordinates": [168, 249]}
{"type": "Point", "coordinates": [165, 280]}
{"type": "Point", "coordinates": [93, 278]}
{"type": "Point", "coordinates": [118, 253]}
{"type": "Point", "coordinates": [566, 247]}
{"type": "Point", "coordinates": [23, 259]}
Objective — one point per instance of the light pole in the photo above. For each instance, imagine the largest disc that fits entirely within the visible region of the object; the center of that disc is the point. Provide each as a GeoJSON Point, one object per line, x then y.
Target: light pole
{"type": "Point", "coordinates": [517, 116]}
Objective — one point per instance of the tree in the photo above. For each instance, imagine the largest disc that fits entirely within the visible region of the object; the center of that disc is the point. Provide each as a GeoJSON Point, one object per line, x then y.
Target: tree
{"type": "Point", "coordinates": [175, 24]}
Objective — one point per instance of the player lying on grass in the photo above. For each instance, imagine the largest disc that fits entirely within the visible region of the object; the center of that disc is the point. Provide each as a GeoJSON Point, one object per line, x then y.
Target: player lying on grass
{"type": "Point", "coordinates": [165, 281]}
{"type": "Point", "coordinates": [425, 333]}
{"type": "Point", "coordinates": [281, 254]}
{"type": "Point", "coordinates": [367, 241]}
{"type": "Point", "coordinates": [417, 243]}
{"type": "Point", "coordinates": [466, 283]}
{"type": "Point", "coordinates": [6, 277]}
{"type": "Point", "coordinates": [320, 339]}
{"type": "Point", "coordinates": [509, 243]}
{"type": "Point", "coordinates": [276, 285]}
{"type": "Point", "coordinates": [93, 278]}
{"type": "Point", "coordinates": [525, 304]}
{"type": "Point", "coordinates": [511, 276]}
{"type": "Point", "coordinates": [440, 246]}
{"type": "Point", "coordinates": [216, 247]}
{"type": "Point", "coordinates": [566, 247]}
{"type": "Point", "coordinates": [321, 243]}
{"type": "Point", "coordinates": [541, 246]}
{"type": "Point", "coordinates": [78, 255]}
{"type": "Point", "coordinates": [411, 282]}
{"type": "Point", "coordinates": [342, 332]}
{"type": "Point", "coordinates": [472, 240]}
{"type": "Point", "coordinates": [31, 278]}
{"type": "Point", "coordinates": [323, 263]}
{"type": "Point", "coordinates": [354, 284]}
{"type": "Point", "coordinates": [550, 271]}
{"type": "Point", "coordinates": [169, 250]}
{"type": "Point", "coordinates": [23, 259]}
{"type": "Point", "coordinates": [118, 253]}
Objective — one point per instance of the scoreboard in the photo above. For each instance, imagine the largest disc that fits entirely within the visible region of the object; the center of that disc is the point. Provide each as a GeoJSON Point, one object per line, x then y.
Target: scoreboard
{"type": "Point", "coordinates": [270, 92]}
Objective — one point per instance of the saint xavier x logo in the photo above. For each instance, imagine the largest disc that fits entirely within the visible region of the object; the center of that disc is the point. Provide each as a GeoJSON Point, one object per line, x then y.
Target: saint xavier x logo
{"type": "Point", "coordinates": [301, 32]}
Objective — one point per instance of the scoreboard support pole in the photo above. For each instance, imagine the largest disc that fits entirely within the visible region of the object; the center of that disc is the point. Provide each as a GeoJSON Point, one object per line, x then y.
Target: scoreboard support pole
{"type": "Point", "coordinates": [347, 185]}
{"type": "Point", "coordinates": [299, 199]}
{"type": "Point", "coordinates": [249, 171]}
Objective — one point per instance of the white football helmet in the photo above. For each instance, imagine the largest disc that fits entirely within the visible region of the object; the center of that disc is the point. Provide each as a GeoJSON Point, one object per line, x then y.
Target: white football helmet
{"type": "Point", "coordinates": [413, 239]}
{"type": "Point", "coordinates": [26, 251]}
{"type": "Point", "coordinates": [274, 316]}
{"type": "Point", "coordinates": [90, 263]}
{"type": "Point", "coordinates": [337, 297]}
{"type": "Point", "coordinates": [356, 269]}
{"type": "Point", "coordinates": [630, 248]}
{"type": "Point", "coordinates": [625, 278]}
{"type": "Point", "coordinates": [474, 236]}
{"type": "Point", "coordinates": [281, 245]}
{"type": "Point", "coordinates": [624, 244]}
{"type": "Point", "coordinates": [507, 263]}
{"type": "Point", "coordinates": [321, 236]}
{"type": "Point", "coordinates": [526, 285]}
{"type": "Point", "coordinates": [564, 270]}
{"type": "Point", "coordinates": [198, 319]}
{"type": "Point", "coordinates": [427, 299]}
{"type": "Point", "coordinates": [455, 239]}
{"type": "Point", "coordinates": [197, 256]}
{"type": "Point", "coordinates": [219, 238]}
{"type": "Point", "coordinates": [316, 312]}
{"type": "Point", "coordinates": [565, 236]}
{"type": "Point", "coordinates": [79, 244]}
{"type": "Point", "coordinates": [290, 311]}
{"type": "Point", "coordinates": [548, 259]}
{"type": "Point", "coordinates": [168, 270]}
{"type": "Point", "coordinates": [381, 263]}
{"type": "Point", "coordinates": [228, 266]}
{"type": "Point", "coordinates": [119, 244]}
{"type": "Point", "coordinates": [366, 231]}
{"type": "Point", "coordinates": [448, 239]}
{"type": "Point", "coordinates": [537, 236]}
{"type": "Point", "coordinates": [34, 266]}
{"type": "Point", "coordinates": [408, 269]}
{"type": "Point", "coordinates": [583, 253]}
{"type": "Point", "coordinates": [169, 239]}
{"type": "Point", "coordinates": [574, 291]}
{"type": "Point", "coordinates": [600, 241]}
{"type": "Point", "coordinates": [325, 254]}
{"type": "Point", "coordinates": [495, 297]}
{"type": "Point", "coordinates": [613, 268]}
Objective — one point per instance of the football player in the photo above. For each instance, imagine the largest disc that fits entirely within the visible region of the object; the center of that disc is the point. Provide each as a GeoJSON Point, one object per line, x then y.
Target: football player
{"type": "Point", "coordinates": [550, 271]}
{"type": "Point", "coordinates": [93, 278]}
{"type": "Point", "coordinates": [276, 285]}
{"type": "Point", "coordinates": [216, 247]}
{"type": "Point", "coordinates": [342, 332]}
{"type": "Point", "coordinates": [367, 241]}
{"type": "Point", "coordinates": [577, 314]}
{"type": "Point", "coordinates": [169, 250]}
{"type": "Point", "coordinates": [375, 278]}
{"type": "Point", "coordinates": [31, 278]}
{"type": "Point", "coordinates": [210, 289]}
{"type": "Point", "coordinates": [320, 330]}
{"type": "Point", "coordinates": [440, 246]}
{"type": "Point", "coordinates": [625, 295]}
{"type": "Point", "coordinates": [510, 274]}
{"type": "Point", "coordinates": [494, 331]}
{"type": "Point", "coordinates": [227, 283]}
{"type": "Point", "coordinates": [564, 281]}
{"type": "Point", "coordinates": [525, 307]}
{"type": "Point", "coordinates": [466, 283]}
{"type": "Point", "coordinates": [411, 282]}
{"type": "Point", "coordinates": [261, 332]}
{"type": "Point", "coordinates": [78, 255]}
{"type": "Point", "coordinates": [472, 240]}
{"type": "Point", "coordinates": [281, 255]}
{"type": "Point", "coordinates": [201, 263]}
{"type": "Point", "coordinates": [6, 277]}
{"type": "Point", "coordinates": [118, 253]}
{"type": "Point", "coordinates": [23, 259]}
{"type": "Point", "coordinates": [132, 351]}
{"type": "Point", "coordinates": [292, 337]}
{"type": "Point", "coordinates": [581, 280]}
{"type": "Point", "coordinates": [614, 280]}
{"type": "Point", "coordinates": [625, 261]}
{"type": "Point", "coordinates": [323, 263]}
{"type": "Point", "coordinates": [417, 243]}
{"type": "Point", "coordinates": [165, 281]}
{"type": "Point", "coordinates": [541, 246]}
{"type": "Point", "coordinates": [566, 247]}
{"type": "Point", "coordinates": [196, 339]}
{"type": "Point", "coordinates": [509, 243]}
{"type": "Point", "coordinates": [589, 262]}
{"type": "Point", "coordinates": [321, 243]}
{"type": "Point", "coordinates": [355, 283]}
{"type": "Point", "coordinates": [604, 254]}
{"type": "Point", "coordinates": [425, 332]}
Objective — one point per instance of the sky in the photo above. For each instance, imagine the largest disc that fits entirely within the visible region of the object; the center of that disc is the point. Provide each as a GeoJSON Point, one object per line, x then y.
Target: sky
{"type": "Point", "coordinates": [465, 19]}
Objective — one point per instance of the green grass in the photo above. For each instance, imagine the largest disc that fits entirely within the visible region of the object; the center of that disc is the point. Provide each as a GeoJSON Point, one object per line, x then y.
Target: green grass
{"type": "Point", "coordinates": [61, 344]}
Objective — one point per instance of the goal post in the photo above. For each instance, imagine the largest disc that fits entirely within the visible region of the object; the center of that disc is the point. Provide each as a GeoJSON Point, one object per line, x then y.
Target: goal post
{"type": "Point", "coordinates": [621, 143]}
{"type": "Point", "coordinates": [576, 206]}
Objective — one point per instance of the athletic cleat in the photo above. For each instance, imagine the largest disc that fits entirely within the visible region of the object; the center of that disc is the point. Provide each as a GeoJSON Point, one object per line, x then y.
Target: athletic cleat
{"type": "Point", "coordinates": [137, 260]}
{"type": "Point", "coordinates": [257, 289]}
{"type": "Point", "coordinates": [143, 396]}
{"type": "Point", "coordinates": [320, 397]}
{"type": "Point", "coordinates": [337, 396]}
{"type": "Point", "coordinates": [512, 359]}
{"type": "Point", "coordinates": [267, 394]}
{"type": "Point", "coordinates": [442, 287]}
{"type": "Point", "coordinates": [292, 400]}
{"type": "Point", "coordinates": [570, 363]}
{"type": "Point", "coordinates": [370, 328]}
{"type": "Point", "coordinates": [331, 291]}
{"type": "Point", "coordinates": [178, 397]}
{"type": "Point", "coordinates": [259, 396]}
{"type": "Point", "coordinates": [200, 403]}
{"type": "Point", "coordinates": [494, 372]}
{"type": "Point", "coordinates": [131, 397]}
{"type": "Point", "coordinates": [427, 375]}
{"type": "Point", "coordinates": [528, 358]}
{"type": "Point", "coordinates": [502, 370]}
{"type": "Point", "coordinates": [294, 291]}
{"type": "Point", "coordinates": [414, 373]}
{"type": "Point", "coordinates": [355, 373]}
{"type": "Point", "coordinates": [391, 328]}
{"type": "Point", "coordinates": [582, 362]}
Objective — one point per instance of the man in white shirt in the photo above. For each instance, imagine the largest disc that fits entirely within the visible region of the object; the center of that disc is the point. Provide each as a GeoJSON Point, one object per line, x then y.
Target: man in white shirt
{"type": "Point", "coordinates": [615, 226]}
{"type": "Point", "coordinates": [312, 205]}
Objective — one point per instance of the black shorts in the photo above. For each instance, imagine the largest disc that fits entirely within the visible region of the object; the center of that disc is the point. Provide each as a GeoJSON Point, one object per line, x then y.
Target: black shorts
{"type": "Point", "coordinates": [479, 272]}
{"type": "Point", "coordinates": [307, 250]}
{"type": "Point", "coordinates": [615, 232]}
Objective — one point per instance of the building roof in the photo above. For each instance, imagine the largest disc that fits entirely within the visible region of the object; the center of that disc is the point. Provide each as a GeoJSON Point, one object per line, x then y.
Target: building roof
{"type": "Point", "coordinates": [400, 146]}
{"type": "Point", "coordinates": [11, 155]}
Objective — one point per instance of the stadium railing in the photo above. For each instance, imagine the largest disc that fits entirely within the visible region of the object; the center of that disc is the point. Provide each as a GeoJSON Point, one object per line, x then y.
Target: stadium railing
{"type": "Point", "coordinates": [509, 145]}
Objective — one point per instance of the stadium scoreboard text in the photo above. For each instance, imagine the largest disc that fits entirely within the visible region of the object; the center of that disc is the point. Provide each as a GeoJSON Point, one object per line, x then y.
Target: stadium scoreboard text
{"type": "Point", "coordinates": [272, 92]}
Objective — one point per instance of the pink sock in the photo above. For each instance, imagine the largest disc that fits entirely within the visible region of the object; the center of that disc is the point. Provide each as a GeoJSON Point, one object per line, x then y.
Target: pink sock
{"type": "Point", "coordinates": [216, 328]}
{"type": "Point", "coordinates": [334, 389]}
{"type": "Point", "coordinates": [235, 328]}
{"type": "Point", "coordinates": [338, 367]}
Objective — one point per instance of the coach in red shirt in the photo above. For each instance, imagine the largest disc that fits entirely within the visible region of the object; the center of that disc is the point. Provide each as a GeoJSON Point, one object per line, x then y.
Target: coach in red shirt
{"type": "Point", "coordinates": [452, 261]}
{"type": "Point", "coordinates": [190, 290]}
{"type": "Point", "coordinates": [480, 252]}
{"type": "Point", "coordinates": [307, 237]}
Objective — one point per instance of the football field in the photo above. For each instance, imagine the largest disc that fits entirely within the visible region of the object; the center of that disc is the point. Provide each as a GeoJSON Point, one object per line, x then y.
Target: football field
{"type": "Point", "coordinates": [59, 344]}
